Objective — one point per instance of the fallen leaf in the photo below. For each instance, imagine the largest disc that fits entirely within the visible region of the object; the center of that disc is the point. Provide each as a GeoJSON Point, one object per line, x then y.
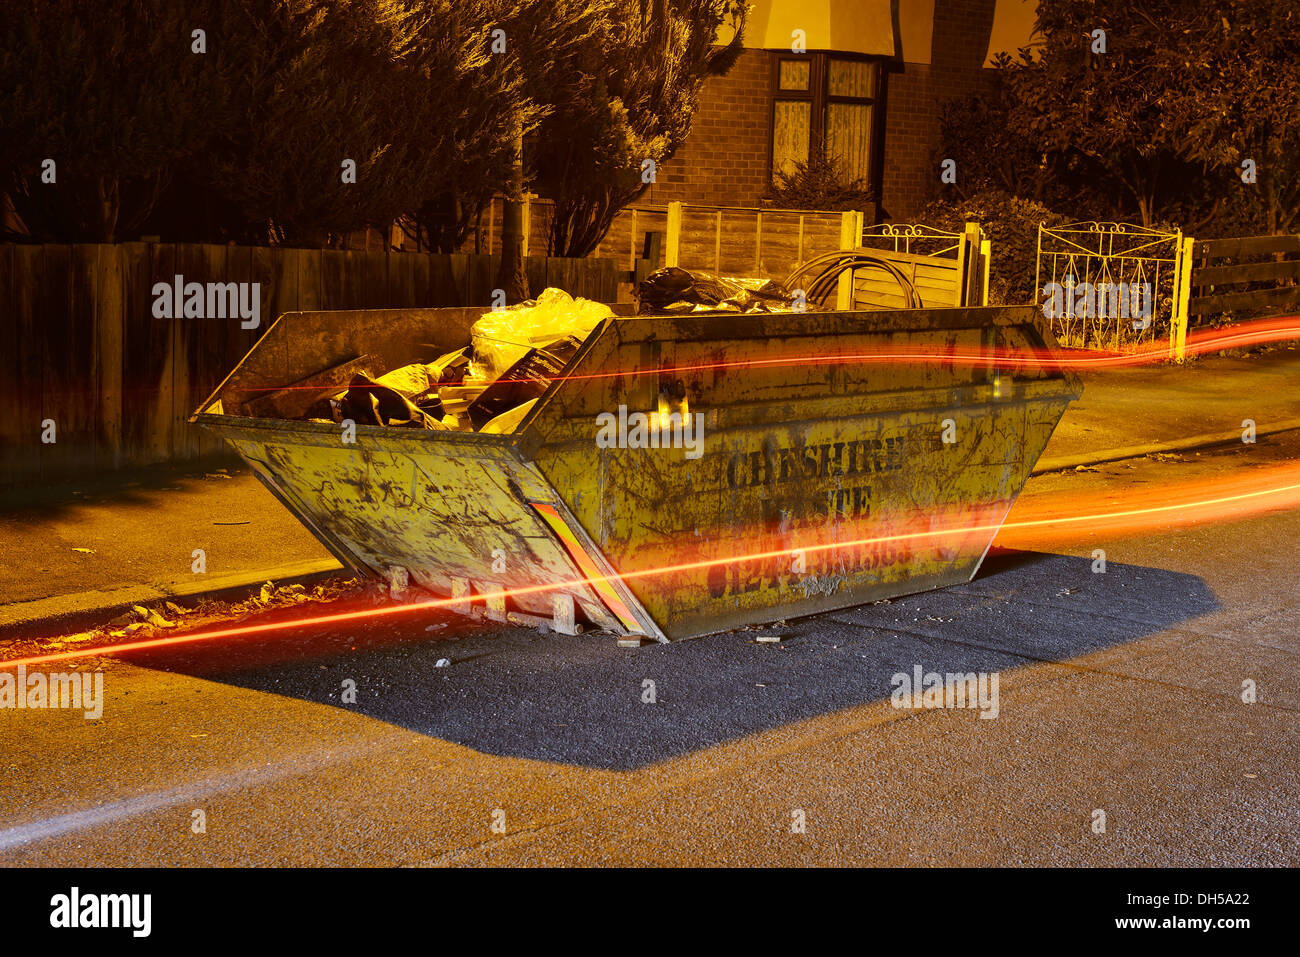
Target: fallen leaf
{"type": "Point", "coordinates": [158, 621]}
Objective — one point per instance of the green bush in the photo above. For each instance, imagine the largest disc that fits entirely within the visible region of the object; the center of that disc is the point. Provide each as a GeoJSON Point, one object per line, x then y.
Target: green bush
{"type": "Point", "coordinates": [819, 183]}
{"type": "Point", "coordinates": [1011, 224]}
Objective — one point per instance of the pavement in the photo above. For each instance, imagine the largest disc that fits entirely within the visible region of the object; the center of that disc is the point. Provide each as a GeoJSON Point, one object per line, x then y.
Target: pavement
{"type": "Point", "coordinates": [1131, 412]}
{"type": "Point", "coordinates": [85, 551]}
{"type": "Point", "coordinates": [79, 553]}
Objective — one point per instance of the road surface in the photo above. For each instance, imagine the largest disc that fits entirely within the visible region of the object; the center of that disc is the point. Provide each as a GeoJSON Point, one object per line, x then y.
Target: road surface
{"type": "Point", "coordinates": [1119, 693]}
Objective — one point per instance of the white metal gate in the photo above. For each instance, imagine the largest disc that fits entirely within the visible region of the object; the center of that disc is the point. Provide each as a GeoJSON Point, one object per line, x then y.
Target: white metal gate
{"type": "Point", "coordinates": [1086, 270]}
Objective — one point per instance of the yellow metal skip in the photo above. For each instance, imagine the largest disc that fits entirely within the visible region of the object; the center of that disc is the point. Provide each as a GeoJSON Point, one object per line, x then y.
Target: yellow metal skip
{"type": "Point", "coordinates": [823, 473]}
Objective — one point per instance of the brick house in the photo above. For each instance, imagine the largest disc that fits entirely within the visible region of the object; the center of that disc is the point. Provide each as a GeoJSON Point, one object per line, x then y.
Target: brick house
{"type": "Point", "coordinates": [868, 86]}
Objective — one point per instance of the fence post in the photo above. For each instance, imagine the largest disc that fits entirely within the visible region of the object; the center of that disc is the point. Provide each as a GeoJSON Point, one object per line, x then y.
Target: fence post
{"type": "Point", "coordinates": [717, 245]}
{"type": "Point", "coordinates": [1038, 266]}
{"type": "Point", "coordinates": [961, 288]}
{"type": "Point", "coordinates": [673, 241]}
{"type": "Point", "coordinates": [986, 255]}
{"type": "Point", "coordinates": [653, 249]}
{"type": "Point", "coordinates": [973, 266]}
{"type": "Point", "coordinates": [850, 238]}
{"type": "Point", "coordinates": [1178, 321]}
{"type": "Point", "coordinates": [633, 243]}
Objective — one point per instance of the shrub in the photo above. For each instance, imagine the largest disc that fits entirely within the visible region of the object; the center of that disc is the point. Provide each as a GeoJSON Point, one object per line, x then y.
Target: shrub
{"type": "Point", "coordinates": [1011, 225]}
{"type": "Point", "coordinates": [820, 183]}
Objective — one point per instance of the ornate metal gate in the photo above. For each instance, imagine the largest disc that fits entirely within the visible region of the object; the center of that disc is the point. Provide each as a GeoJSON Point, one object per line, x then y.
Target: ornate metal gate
{"type": "Point", "coordinates": [1086, 270]}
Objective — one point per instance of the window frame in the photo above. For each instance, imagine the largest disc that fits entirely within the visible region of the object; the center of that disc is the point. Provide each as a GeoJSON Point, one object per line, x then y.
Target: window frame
{"type": "Point", "coordinates": [819, 96]}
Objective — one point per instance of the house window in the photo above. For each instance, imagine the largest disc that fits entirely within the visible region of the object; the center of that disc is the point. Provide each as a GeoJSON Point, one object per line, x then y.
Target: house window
{"type": "Point", "coordinates": [825, 101]}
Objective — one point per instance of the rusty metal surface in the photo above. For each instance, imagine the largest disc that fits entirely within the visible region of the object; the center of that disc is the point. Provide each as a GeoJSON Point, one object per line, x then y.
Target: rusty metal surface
{"type": "Point", "coordinates": [798, 457]}
{"type": "Point", "coordinates": [446, 511]}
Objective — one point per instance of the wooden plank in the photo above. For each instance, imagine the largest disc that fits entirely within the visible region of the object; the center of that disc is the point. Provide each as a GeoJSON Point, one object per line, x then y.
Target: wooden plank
{"type": "Point", "coordinates": [1247, 246]}
{"type": "Point", "coordinates": [420, 280]}
{"type": "Point", "coordinates": [352, 292]}
{"type": "Point", "coordinates": [459, 269]}
{"type": "Point", "coordinates": [275, 270]}
{"type": "Point", "coordinates": [558, 273]}
{"type": "Point", "coordinates": [239, 268]}
{"type": "Point", "coordinates": [586, 278]}
{"type": "Point", "coordinates": [535, 270]}
{"type": "Point", "coordinates": [83, 403]}
{"type": "Point", "coordinates": [482, 279]}
{"type": "Point", "coordinates": [28, 263]}
{"type": "Point", "coordinates": [109, 341]}
{"type": "Point", "coordinates": [943, 270]}
{"type": "Point", "coordinates": [445, 286]}
{"type": "Point", "coordinates": [309, 280]}
{"type": "Point", "coordinates": [879, 302]}
{"type": "Point", "coordinates": [401, 280]}
{"type": "Point", "coordinates": [160, 343]}
{"type": "Point", "coordinates": [580, 278]}
{"type": "Point", "coordinates": [673, 235]}
{"type": "Point", "coordinates": [717, 244]}
{"type": "Point", "coordinates": [1286, 298]}
{"type": "Point", "coordinates": [374, 271]}
{"type": "Point", "coordinates": [215, 340]}
{"type": "Point", "coordinates": [608, 270]}
{"type": "Point", "coordinates": [137, 317]}
{"type": "Point", "coordinates": [932, 262]}
{"type": "Point", "coordinates": [1246, 272]}
{"type": "Point", "coordinates": [333, 265]}
{"type": "Point", "coordinates": [15, 440]}
{"type": "Point", "coordinates": [63, 353]}
{"type": "Point", "coordinates": [189, 333]}
{"type": "Point", "coordinates": [296, 399]}
{"type": "Point", "coordinates": [576, 277]}
{"type": "Point", "coordinates": [611, 281]}
{"type": "Point", "coordinates": [1182, 292]}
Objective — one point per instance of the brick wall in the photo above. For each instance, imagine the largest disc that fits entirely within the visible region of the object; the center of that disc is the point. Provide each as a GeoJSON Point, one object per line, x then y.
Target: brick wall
{"type": "Point", "coordinates": [915, 94]}
{"type": "Point", "coordinates": [724, 160]}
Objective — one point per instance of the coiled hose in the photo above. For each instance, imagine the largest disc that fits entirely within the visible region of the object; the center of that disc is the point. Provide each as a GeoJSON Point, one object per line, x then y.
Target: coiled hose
{"type": "Point", "coordinates": [830, 265]}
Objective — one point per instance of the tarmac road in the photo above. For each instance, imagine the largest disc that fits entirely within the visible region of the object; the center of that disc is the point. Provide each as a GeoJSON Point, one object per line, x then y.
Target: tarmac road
{"type": "Point", "coordinates": [1118, 693]}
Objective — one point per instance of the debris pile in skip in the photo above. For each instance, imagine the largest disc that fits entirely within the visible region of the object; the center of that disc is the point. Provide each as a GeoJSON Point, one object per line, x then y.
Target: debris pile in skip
{"type": "Point", "coordinates": [514, 353]}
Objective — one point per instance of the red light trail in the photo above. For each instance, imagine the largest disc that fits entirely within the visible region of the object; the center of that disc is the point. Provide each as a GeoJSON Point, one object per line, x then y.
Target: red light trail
{"type": "Point", "coordinates": [1264, 489]}
{"type": "Point", "coordinates": [1199, 342]}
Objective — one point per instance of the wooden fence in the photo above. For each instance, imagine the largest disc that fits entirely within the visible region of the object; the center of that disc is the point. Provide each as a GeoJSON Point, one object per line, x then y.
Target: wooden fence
{"type": "Point", "coordinates": [486, 235]}
{"type": "Point", "coordinates": [1210, 274]}
{"type": "Point", "coordinates": [727, 240]}
{"type": "Point", "coordinates": [84, 355]}
{"type": "Point", "coordinates": [954, 271]}
{"type": "Point", "coordinates": [1272, 281]}
{"type": "Point", "coordinates": [724, 240]}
